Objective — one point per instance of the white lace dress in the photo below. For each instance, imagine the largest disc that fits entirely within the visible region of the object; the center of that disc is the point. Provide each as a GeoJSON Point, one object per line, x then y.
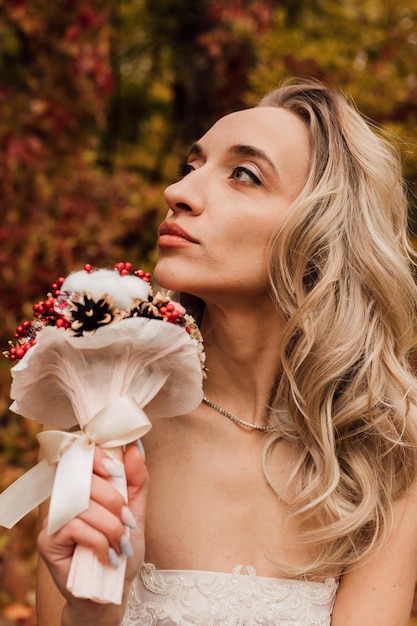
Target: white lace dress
{"type": "Point", "coordinates": [194, 598]}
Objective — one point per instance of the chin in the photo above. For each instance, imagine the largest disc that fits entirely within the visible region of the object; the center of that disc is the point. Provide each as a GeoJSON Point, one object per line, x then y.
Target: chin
{"type": "Point", "coordinates": [178, 280]}
{"type": "Point", "coordinates": [167, 276]}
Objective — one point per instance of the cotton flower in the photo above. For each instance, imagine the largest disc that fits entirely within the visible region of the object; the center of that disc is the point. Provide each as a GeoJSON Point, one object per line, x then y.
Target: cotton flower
{"type": "Point", "coordinates": [123, 290]}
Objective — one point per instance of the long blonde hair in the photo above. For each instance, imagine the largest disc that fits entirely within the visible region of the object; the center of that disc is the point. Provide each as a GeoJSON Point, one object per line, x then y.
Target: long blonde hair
{"type": "Point", "coordinates": [340, 270]}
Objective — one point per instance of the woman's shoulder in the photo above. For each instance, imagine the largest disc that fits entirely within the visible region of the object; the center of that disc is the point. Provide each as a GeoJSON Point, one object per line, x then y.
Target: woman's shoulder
{"type": "Point", "coordinates": [380, 588]}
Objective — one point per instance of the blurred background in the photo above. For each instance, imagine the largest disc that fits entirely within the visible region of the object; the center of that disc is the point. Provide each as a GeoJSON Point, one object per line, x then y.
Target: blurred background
{"type": "Point", "coordinates": [99, 100]}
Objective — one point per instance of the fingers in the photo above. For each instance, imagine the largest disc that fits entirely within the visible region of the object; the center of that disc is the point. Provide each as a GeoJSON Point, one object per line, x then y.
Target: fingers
{"type": "Point", "coordinates": [110, 527]}
{"type": "Point", "coordinates": [108, 513]}
{"type": "Point", "coordinates": [60, 546]}
{"type": "Point", "coordinates": [137, 482]}
{"type": "Point", "coordinates": [102, 527]}
{"type": "Point", "coordinates": [136, 478]}
{"type": "Point", "coordinates": [105, 464]}
{"type": "Point", "coordinates": [106, 524]}
{"type": "Point", "coordinates": [135, 468]}
{"type": "Point", "coordinates": [103, 492]}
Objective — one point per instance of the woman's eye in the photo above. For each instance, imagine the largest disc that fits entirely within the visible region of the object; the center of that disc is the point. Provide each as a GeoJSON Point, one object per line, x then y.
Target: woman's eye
{"type": "Point", "coordinates": [245, 175]}
{"type": "Point", "coordinates": [184, 169]}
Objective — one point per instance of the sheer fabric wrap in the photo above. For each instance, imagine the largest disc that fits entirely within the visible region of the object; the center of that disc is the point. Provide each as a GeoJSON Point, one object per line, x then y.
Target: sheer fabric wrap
{"type": "Point", "coordinates": [106, 382]}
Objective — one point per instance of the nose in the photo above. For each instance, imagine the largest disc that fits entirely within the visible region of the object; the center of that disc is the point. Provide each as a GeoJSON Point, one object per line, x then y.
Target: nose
{"type": "Point", "coordinates": [185, 195]}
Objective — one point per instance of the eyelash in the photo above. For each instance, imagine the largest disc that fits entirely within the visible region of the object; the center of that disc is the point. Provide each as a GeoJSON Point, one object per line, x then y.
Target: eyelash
{"type": "Point", "coordinates": [185, 168]}
{"type": "Point", "coordinates": [246, 170]}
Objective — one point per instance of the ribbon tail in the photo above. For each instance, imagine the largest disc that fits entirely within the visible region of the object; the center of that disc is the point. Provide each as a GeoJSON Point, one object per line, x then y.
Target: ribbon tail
{"type": "Point", "coordinates": [26, 493]}
{"type": "Point", "coordinates": [72, 485]}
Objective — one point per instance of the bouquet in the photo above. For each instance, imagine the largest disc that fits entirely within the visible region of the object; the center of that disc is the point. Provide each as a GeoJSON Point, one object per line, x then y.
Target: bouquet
{"type": "Point", "coordinates": [104, 354]}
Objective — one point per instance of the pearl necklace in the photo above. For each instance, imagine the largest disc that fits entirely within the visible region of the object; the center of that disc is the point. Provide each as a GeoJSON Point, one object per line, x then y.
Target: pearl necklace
{"type": "Point", "coordinates": [235, 419]}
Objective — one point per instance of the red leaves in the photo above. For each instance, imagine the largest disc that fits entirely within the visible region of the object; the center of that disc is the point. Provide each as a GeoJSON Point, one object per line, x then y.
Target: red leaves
{"type": "Point", "coordinates": [91, 64]}
{"type": "Point", "coordinates": [52, 110]}
{"type": "Point", "coordinates": [256, 14]}
{"type": "Point", "coordinates": [17, 546]}
{"type": "Point", "coordinates": [22, 149]}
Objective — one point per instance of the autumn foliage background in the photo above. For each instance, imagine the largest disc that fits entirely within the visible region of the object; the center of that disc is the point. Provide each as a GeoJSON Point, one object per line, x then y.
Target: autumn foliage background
{"type": "Point", "coordinates": [98, 100]}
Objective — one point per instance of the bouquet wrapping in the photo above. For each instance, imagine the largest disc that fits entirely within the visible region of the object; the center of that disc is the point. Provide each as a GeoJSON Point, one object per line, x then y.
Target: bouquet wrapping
{"type": "Point", "coordinates": [106, 356]}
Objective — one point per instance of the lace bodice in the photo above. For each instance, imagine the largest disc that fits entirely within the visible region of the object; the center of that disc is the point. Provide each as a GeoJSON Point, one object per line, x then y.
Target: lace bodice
{"type": "Point", "coordinates": [194, 598]}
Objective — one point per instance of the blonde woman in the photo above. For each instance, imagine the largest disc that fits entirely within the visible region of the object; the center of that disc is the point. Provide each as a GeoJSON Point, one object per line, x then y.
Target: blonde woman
{"type": "Point", "coordinates": [288, 497]}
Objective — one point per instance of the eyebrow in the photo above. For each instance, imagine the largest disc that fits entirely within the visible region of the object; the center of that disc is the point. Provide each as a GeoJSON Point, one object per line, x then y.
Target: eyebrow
{"type": "Point", "coordinates": [195, 149]}
{"type": "Point", "coordinates": [255, 152]}
{"type": "Point", "coordinates": [241, 149]}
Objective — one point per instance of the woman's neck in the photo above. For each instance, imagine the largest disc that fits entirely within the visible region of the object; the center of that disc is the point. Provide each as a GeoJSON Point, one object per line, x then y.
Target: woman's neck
{"type": "Point", "coordinates": [242, 348]}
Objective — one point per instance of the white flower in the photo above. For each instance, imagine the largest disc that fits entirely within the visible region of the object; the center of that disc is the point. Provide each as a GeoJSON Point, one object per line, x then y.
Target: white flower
{"type": "Point", "coordinates": [123, 290]}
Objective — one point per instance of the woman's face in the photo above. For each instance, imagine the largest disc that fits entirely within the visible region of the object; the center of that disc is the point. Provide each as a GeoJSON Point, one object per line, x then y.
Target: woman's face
{"type": "Point", "coordinates": [238, 182]}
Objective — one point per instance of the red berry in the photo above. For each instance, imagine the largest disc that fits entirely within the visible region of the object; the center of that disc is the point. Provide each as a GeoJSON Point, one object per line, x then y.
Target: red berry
{"type": "Point", "coordinates": [143, 275]}
{"type": "Point", "coordinates": [123, 268]}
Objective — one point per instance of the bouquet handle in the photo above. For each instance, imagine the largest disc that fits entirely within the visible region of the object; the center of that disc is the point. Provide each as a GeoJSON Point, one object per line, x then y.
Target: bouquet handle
{"type": "Point", "coordinates": [90, 579]}
{"type": "Point", "coordinates": [65, 474]}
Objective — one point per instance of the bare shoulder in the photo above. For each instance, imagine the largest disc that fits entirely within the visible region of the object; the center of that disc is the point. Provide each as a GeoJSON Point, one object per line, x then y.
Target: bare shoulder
{"type": "Point", "coordinates": [380, 590]}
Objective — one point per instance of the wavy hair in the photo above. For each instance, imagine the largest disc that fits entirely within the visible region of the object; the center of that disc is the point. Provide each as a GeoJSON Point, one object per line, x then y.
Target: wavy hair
{"type": "Point", "coordinates": [341, 272]}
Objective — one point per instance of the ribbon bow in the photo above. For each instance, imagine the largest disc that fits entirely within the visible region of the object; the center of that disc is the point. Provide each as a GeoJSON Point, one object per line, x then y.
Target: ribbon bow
{"type": "Point", "coordinates": [66, 472]}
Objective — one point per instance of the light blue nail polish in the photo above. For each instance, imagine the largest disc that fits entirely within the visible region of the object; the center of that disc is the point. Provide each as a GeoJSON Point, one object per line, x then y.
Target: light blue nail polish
{"type": "Point", "coordinates": [126, 546]}
{"type": "Point", "coordinates": [141, 448]}
{"type": "Point", "coordinates": [113, 558]}
{"type": "Point", "coordinates": [112, 467]}
{"type": "Point", "coordinates": [128, 518]}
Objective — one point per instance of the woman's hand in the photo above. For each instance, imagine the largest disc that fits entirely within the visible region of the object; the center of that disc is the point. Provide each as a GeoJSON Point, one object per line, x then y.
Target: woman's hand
{"type": "Point", "coordinates": [101, 528]}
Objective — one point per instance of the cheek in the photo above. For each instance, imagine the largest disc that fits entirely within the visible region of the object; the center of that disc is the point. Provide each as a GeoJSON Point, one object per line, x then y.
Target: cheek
{"type": "Point", "coordinates": [246, 253]}
{"type": "Point", "coordinates": [254, 236]}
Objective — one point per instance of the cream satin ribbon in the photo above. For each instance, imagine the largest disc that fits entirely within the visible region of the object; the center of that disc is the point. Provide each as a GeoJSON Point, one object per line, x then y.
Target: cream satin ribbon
{"type": "Point", "coordinates": [66, 472]}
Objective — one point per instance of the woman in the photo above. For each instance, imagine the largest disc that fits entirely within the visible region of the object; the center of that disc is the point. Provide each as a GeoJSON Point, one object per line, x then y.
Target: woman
{"type": "Point", "coordinates": [288, 231]}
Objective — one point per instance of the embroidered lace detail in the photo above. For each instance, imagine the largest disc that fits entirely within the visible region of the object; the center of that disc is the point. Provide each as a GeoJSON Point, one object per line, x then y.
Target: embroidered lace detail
{"type": "Point", "coordinates": [192, 598]}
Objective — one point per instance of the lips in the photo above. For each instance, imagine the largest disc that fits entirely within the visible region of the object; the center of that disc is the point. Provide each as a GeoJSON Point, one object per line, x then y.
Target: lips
{"type": "Point", "coordinates": [171, 231]}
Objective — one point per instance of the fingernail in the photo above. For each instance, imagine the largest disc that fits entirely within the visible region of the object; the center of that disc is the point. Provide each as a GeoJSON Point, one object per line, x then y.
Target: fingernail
{"type": "Point", "coordinates": [126, 546]}
{"type": "Point", "coordinates": [113, 558]}
{"type": "Point", "coordinates": [141, 448]}
{"type": "Point", "coordinates": [113, 467]}
{"type": "Point", "coordinates": [127, 517]}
